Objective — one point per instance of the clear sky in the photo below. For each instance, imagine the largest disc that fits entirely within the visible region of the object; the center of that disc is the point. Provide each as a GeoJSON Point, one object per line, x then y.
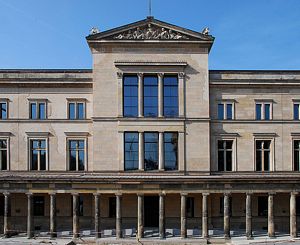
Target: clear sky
{"type": "Point", "coordinates": [250, 34]}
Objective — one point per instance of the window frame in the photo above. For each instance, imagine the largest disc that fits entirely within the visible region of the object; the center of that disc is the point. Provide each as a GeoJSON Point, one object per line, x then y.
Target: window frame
{"type": "Point", "coordinates": [263, 108]}
{"type": "Point", "coordinates": [76, 101]}
{"type": "Point", "coordinates": [157, 86]}
{"type": "Point", "coordinates": [272, 152]}
{"type": "Point", "coordinates": [124, 149]}
{"type": "Point", "coordinates": [164, 150]}
{"type": "Point", "coordinates": [85, 139]}
{"type": "Point", "coordinates": [224, 103]}
{"type": "Point", "coordinates": [29, 153]}
{"type": "Point", "coordinates": [38, 102]}
{"type": "Point", "coordinates": [296, 102]}
{"type": "Point", "coordinates": [123, 94]}
{"type": "Point", "coordinates": [163, 98]}
{"type": "Point", "coordinates": [144, 148]}
{"type": "Point", "coordinates": [231, 137]}
{"type": "Point", "coordinates": [7, 152]}
{"type": "Point", "coordinates": [295, 136]}
{"type": "Point", "coordinates": [4, 101]}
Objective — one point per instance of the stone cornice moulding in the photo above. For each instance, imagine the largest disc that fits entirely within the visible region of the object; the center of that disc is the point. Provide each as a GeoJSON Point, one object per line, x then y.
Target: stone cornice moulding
{"type": "Point", "coordinates": [77, 134]}
{"type": "Point", "coordinates": [232, 135]}
{"type": "Point", "coordinates": [265, 135]}
{"type": "Point", "coordinates": [6, 134]}
{"type": "Point", "coordinates": [38, 134]}
{"type": "Point", "coordinates": [150, 63]}
{"type": "Point", "coordinates": [295, 134]}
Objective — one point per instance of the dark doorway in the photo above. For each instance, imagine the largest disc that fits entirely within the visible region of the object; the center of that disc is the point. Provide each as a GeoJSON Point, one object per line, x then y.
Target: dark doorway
{"type": "Point", "coordinates": [151, 211]}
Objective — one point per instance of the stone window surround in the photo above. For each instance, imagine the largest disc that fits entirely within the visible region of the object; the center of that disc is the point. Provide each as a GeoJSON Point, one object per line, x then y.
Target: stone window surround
{"type": "Point", "coordinates": [76, 100]}
{"type": "Point", "coordinates": [180, 151]}
{"type": "Point", "coordinates": [6, 136]}
{"type": "Point", "coordinates": [294, 136]}
{"type": "Point", "coordinates": [265, 136]}
{"type": "Point", "coordinates": [37, 136]}
{"type": "Point", "coordinates": [263, 102]}
{"type": "Point", "coordinates": [232, 137]}
{"type": "Point", "coordinates": [78, 137]}
{"type": "Point", "coordinates": [6, 101]}
{"type": "Point", "coordinates": [225, 102]}
{"type": "Point", "coordinates": [181, 78]}
{"type": "Point", "coordinates": [296, 102]}
{"type": "Point", "coordinates": [37, 101]}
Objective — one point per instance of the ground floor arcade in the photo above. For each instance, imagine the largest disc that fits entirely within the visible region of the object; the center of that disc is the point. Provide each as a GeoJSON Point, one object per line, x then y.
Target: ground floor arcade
{"type": "Point", "coordinates": [130, 213]}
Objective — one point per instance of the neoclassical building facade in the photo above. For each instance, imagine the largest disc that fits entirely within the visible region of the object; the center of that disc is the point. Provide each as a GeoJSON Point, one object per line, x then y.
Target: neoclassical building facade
{"type": "Point", "coordinates": [149, 138]}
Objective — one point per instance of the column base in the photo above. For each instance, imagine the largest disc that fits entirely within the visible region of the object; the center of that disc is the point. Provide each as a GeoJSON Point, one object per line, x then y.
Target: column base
{"type": "Point", "coordinates": [227, 237]}
{"type": "Point", "coordinates": [250, 237]}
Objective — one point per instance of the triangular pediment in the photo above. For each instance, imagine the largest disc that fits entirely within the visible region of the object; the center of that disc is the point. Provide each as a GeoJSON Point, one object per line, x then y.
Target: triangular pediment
{"type": "Point", "coordinates": [150, 29]}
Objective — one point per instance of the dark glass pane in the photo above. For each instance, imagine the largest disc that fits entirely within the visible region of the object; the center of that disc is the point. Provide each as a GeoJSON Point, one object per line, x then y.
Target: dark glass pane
{"type": "Point", "coordinates": [130, 97]}
{"type": "Point", "coordinates": [80, 111]}
{"type": "Point", "coordinates": [258, 111]}
{"type": "Point", "coordinates": [296, 160]}
{"type": "Point", "coordinates": [42, 111]}
{"type": "Point", "coordinates": [258, 144]}
{"type": "Point", "coordinates": [34, 160]}
{"type": "Point", "coordinates": [151, 151]}
{"type": "Point", "coordinates": [229, 111]}
{"type": "Point", "coordinates": [150, 96]}
{"type": "Point", "coordinates": [33, 114]}
{"type": "Point", "coordinates": [3, 108]}
{"type": "Point", "coordinates": [228, 160]}
{"type": "Point", "coordinates": [221, 162]}
{"type": "Point", "coordinates": [267, 144]}
{"type": "Point", "coordinates": [73, 144]}
{"type": "Point", "coordinates": [72, 112]}
{"type": "Point", "coordinates": [171, 151]}
{"type": "Point", "coordinates": [3, 159]}
{"type": "Point", "coordinates": [296, 111]}
{"type": "Point", "coordinates": [229, 144]}
{"type": "Point", "coordinates": [170, 96]}
{"type": "Point", "coordinates": [80, 144]}
{"type": "Point", "coordinates": [266, 160]}
{"type": "Point", "coordinates": [43, 160]}
{"type": "Point", "coordinates": [3, 144]}
{"type": "Point", "coordinates": [42, 144]}
{"type": "Point", "coordinates": [267, 112]}
{"type": "Point", "coordinates": [220, 111]}
{"type": "Point", "coordinates": [72, 160]}
{"type": "Point", "coordinates": [220, 144]}
{"type": "Point", "coordinates": [131, 151]}
{"type": "Point", "coordinates": [80, 160]}
{"type": "Point", "coordinates": [258, 160]}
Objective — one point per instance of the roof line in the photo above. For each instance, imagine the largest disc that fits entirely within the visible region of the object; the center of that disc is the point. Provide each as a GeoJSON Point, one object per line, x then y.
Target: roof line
{"type": "Point", "coordinates": [46, 70]}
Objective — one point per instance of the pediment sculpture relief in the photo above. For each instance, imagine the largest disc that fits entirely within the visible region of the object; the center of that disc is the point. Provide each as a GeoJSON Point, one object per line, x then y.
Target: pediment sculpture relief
{"type": "Point", "coordinates": [151, 32]}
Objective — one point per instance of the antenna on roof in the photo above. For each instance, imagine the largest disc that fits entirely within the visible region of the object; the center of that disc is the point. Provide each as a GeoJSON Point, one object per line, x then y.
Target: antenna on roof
{"type": "Point", "coordinates": [150, 8]}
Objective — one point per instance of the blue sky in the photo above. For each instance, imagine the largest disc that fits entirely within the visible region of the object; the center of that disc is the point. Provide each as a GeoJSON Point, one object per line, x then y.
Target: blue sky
{"type": "Point", "coordinates": [250, 34]}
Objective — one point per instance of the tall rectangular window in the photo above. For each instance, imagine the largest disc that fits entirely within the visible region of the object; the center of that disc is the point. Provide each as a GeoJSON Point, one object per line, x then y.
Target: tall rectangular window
{"type": "Point", "coordinates": [263, 111]}
{"type": "Point", "coordinates": [76, 110]}
{"type": "Point", "coordinates": [225, 158]}
{"type": "Point", "coordinates": [131, 143]}
{"type": "Point", "coordinates": [38, 154]}
{"type": "Point", "coordinates": [130, 96]}
{"type": "Point", "coordinates": [3, 154]}
{"type": "Point", "coordinates": [296, 111]}
{"type": "Point", "coordinates": [38, 110]}
{"type": "Point", "coordinates": [190, 207]}
{"type": "Point", "coordinates": [296, 149]}
{"type": "Point", "coordinates": [3, 110]}
{"type": "Point", "coordinates": [151, 151]}
{"type": "Point", "coordinates": [170, 96]}
{"type": "Point", "coordinates": [225, 111]}
{"type": "Point", "coordinates": [171, 151]}
{"type": "Point", "coordinates": [76, 154]}
{"type": "Point", "coordinates": [263, 155]}
{"type": "Point", "coordinates": [150, 96]}
{"type": "Point", "coordinates": [38, 206]}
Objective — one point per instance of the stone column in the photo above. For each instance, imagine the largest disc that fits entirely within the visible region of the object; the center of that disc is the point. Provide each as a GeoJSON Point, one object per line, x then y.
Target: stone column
{"type": "Point", "coordinates": [204, 215]}
{"type": "Point", "coordinates": [271, 231]}
{"type": "Point", "coordinates": [181, 94]}
{"type": "Point", "coordinates": [226, 216]}
{"type": "Point", "coordinates": [75, 215]}
{"type": "Point", "coordinates": [29, 215]}
{"type": "Point", "coordinates": [293, 217]}
{"type": "Point", "coordinates": [119, 215]}
{"type": "Point", "coordinates": [160, 95]}
{"type": "Point", "coordinates": [248, 216]}
{"type": "Point", "coordinates": [161, 153]}
{"type": "Point", "coordinates": [53, 215]}
{"type": "Point", "coordinates": [183, 215]}
{"type": "Point", "coordinates": [140, 226]}
{"type": "Point", "coordinates": [162, 233]}
{"type": "Point", "coordinates": [141, 151]}
{"type": "Point", "coordinates": [97, 215]}
{"type": "Point", "coordinates": [6, 226]}
{"type": "Point", "coordinates": [141, 95]}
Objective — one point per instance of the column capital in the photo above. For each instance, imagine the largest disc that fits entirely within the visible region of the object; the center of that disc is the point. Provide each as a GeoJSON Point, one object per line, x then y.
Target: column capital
{"type": "Point", "coordinates": [6, 193]}
{"type": "Point", "coordinates": [29, 194]}
{"type": "Point", "coordinates": [52, 193]}
{"type": "Point", "coordinates": [162, 193]}
{"type": "Point", "coordinates": [118, 194]}
{"type": "Point", "coordinates": [227, 193]}
{"type": "Point", "coordinates": [249, 193]}
{"type": "Point", "coordinates": [120, 75]}
{"type": "Point", "coordinates": [294, 193]}
{"type": "Point", "coordinates": [183, 194]}
{"type": "Point", "coordinates": [75, 194]}
{"type": "Point", "coordinates": [160, 75]}
{"type": "Point", "coordinates": [271, 193]}
{"type": "Point", "coordinates": [96, 194]}
{"type": "Point", "coordinates": [140, 75]}
{"type": "Point", "coordinates": [140, 194]}
{"type": "Point", "coordinates": [205, 194]}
